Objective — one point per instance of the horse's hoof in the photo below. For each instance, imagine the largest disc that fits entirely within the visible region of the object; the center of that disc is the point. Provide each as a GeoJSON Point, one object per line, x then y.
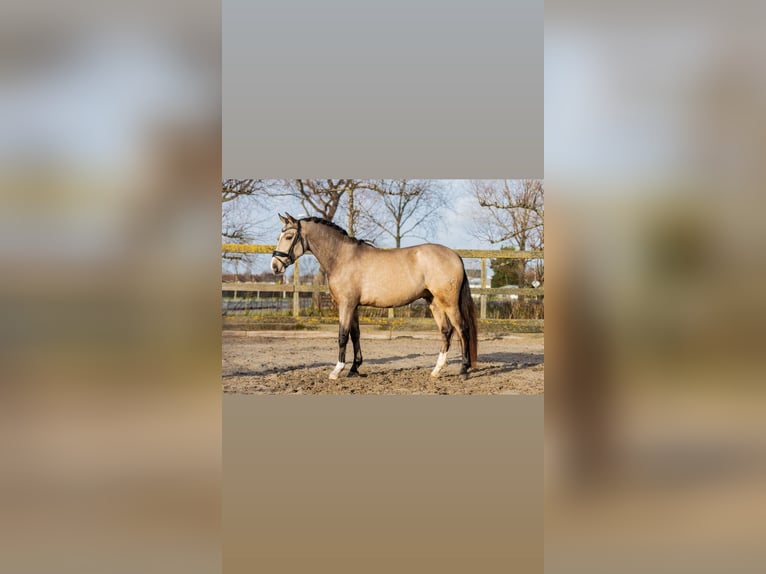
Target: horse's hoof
{"type": "Point", "coordinates": [333, 376]}
{"type": "Point", "coordinates": [435, 374]}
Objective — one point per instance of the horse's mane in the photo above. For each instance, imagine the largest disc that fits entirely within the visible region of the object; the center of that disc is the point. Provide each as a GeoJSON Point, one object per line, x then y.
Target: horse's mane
{"type": "Point", "coordinates": [334, 226]}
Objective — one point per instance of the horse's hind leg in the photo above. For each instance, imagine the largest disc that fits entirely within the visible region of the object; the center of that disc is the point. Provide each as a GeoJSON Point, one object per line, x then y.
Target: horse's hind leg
{"type": "Point", "coordinates": [445, 326]}
{"type": "Point", "coordinates": [357, 344]}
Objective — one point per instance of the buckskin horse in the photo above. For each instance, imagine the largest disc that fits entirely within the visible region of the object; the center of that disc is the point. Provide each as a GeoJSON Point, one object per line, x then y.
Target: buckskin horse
{"type": "Point", "coordinates": [360, 274]}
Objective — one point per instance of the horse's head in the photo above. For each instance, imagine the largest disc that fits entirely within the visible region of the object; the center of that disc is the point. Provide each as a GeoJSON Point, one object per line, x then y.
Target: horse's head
{"type": "Point", "coordinates": [290, 244]}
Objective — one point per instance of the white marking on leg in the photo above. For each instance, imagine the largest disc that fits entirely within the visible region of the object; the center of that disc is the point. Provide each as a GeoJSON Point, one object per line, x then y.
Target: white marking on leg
{"type": "Point", "coordinates": [336, 371]}
{"type": "Point", "coordinates": [440, 362]}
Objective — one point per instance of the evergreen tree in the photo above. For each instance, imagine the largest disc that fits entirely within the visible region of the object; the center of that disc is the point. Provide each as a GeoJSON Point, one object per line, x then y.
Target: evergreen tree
{"type": "Point", "coordinates": [507, 271]}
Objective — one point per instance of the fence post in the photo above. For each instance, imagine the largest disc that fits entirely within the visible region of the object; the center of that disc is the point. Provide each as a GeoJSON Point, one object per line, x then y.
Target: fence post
{"type": "Point", "coordinates": [296, 293]}
{"type": "Point", "coordinates": [390, 312]}
{"type": "Point", "coordinates": [483, 298]}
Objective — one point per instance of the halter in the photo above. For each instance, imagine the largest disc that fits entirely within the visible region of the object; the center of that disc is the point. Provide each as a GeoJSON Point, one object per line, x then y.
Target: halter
{"type": "Point", "coordinates": [289, 255]}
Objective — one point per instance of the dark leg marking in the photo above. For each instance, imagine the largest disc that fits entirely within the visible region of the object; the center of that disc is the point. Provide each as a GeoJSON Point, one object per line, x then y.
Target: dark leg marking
{"type": "Point", "coordinates": [355, 340]}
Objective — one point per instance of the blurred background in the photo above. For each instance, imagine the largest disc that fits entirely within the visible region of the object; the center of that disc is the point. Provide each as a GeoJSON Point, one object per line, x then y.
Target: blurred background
{"type": "Point", "coordinates": [655, 428]}
{"type": "Point", "coordinates": [109, 426]}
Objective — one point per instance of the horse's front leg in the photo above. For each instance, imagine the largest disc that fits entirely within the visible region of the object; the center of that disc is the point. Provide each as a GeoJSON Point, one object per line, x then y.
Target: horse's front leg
{"type": "Point", "coordinates": [344, 329]}
{"type": "Point", "coordinates": [355, 339]}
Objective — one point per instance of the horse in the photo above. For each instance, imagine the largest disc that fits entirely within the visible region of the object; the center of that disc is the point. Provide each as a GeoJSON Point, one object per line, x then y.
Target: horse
{"type": "Point", "coordinates": [360, 274]}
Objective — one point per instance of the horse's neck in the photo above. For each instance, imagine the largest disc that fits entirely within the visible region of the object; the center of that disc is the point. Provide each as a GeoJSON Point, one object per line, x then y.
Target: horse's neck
{"type": "Point", "coordinates": [325, 245]}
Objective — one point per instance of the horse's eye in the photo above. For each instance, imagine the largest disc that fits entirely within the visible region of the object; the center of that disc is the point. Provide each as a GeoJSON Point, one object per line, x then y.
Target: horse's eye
{"type": "Point", "coordinates": [289, 236]}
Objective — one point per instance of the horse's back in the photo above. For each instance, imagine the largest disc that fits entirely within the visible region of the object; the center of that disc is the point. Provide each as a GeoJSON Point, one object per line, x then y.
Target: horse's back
{"type": "Point", "coordinates": [437, 267]}
{"type": "Point", "coordinates": [428, 258]}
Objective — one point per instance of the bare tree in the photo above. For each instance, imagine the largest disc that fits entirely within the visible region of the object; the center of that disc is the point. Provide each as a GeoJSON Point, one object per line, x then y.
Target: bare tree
{"type": "Point", "coordinates": [240, 198]}
{"type": "Point", "coordinates": [406, 207]}
{"type": "Point", "coordinates": [236, 188]}
{"type": "Point", "coordinates": [320, 197]}
{"type": "Point", "coordinates": [329, 198]}
{"type": "Point", "coordinates": [234, 230]}
{"type": "Point", "coordinates": [513, 213]}
{"type": "Point", "coordinates": [362, 207]}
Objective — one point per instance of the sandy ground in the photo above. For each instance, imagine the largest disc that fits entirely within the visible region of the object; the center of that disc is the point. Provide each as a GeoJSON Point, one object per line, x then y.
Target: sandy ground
{"type": "Point", "coordinates": [274, 362]}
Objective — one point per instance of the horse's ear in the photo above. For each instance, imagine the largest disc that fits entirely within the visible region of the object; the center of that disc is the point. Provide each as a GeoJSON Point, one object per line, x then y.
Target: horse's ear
{"type": "Point", "coordinates": [290, 218]}
{"type": "Point", "coordinates": [282, 219]}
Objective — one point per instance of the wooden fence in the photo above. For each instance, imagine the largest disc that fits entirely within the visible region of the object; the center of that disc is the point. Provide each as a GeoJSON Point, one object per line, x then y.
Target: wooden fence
{"type": "Point", "coordinates": [296, 287]}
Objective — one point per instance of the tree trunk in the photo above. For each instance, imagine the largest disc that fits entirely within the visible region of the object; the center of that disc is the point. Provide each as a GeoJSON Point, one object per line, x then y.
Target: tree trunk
{"type": "Point", "coordinates": [351, 212]}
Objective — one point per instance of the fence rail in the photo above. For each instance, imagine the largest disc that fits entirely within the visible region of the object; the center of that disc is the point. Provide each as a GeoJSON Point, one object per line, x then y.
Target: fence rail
{"type": "Point", "coordinates": [296, 288]}
{"type": "Point", "coordinates": [466, 253]}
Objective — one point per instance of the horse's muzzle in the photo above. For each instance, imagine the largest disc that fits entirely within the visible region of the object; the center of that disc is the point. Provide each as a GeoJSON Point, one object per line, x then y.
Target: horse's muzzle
{"type": "Point", "coordinates": [277, 266]}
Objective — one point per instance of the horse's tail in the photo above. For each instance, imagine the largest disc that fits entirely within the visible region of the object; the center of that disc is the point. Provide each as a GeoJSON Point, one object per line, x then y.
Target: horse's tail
{"type": "Point", "coordinates": [468, 313]}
